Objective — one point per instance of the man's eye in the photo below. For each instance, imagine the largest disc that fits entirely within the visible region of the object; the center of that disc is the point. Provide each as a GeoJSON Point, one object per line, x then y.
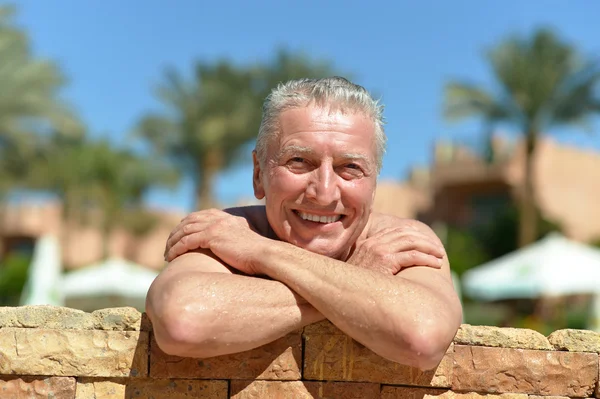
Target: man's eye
{"type": "Point", "coordinates": [351, 171]}
{"type": "Point", "coordinates": [298, 164]}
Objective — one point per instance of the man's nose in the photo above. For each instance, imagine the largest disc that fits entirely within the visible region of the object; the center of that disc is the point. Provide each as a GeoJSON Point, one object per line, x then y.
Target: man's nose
{"type": "Point", "coordinates": [323, 187]}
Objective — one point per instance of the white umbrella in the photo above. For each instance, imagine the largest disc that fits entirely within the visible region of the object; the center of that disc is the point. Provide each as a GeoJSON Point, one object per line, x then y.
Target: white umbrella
{"type": "Point", "coordinates": [554, 265]}
{"type": "Point", "coordinates": [113, 278]}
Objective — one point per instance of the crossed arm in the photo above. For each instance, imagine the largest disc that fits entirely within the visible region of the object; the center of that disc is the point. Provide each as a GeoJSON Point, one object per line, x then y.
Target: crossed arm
{"type": "Point", "coordinates": [211, 302]}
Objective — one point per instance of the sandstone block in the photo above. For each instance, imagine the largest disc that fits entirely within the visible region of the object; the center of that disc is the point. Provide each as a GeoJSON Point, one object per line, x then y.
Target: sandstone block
{"type": "Point", "coordinates": [547, 397]}
{"type": "Point", "coordinates": [148, 388]}
{"type": "Point", "coordinates": [392, 392]}
{"type": "Point", "coordinates": [21, 387]}
{"type": "Point", "coordinates": [118, 319]}
{"type": "Point", "coordinates": [339, 358]}
{"type": "Point", "coordinates": [389, 392]}
{"type": "Point", "coordinates": [598, 381]}
{"type": "Point", "coordinates": [101, 389]}
{"type": "Point", "coordinates": [501, 337]}
{"type": "Point", "coordinates": [43, 316]}
{"type": "Point", "coordinates": [278, 360]}
{"type": "Point", "coordinates": [73, 352]}
{"type": "Point", "coordinates": [502, 370]}
{"type": "Point", "coordinates": [575, 340]}
{"type": "Point", "coordinates": [249, 389]}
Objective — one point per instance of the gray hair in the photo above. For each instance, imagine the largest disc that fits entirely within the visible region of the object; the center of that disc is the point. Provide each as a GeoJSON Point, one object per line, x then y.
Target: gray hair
{"type": "Point", "coordinates": [334, 93]}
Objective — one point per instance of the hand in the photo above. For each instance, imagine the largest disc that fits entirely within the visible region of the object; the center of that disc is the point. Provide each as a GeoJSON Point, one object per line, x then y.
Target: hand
{"type": "Point", "coordinates": [229, 237]}
{"type": "Point", "coordinates": [390, 249]}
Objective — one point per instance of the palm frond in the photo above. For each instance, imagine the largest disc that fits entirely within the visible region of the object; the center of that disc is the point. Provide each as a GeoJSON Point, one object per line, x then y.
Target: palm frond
{"type": "Point", "coordinates": [578, 97]}
{"type": "Point", "coordinates": [464, 100]}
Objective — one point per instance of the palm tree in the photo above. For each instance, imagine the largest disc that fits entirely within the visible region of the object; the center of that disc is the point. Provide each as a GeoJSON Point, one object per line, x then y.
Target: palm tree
{"type": "Point", "coordinates": [208, 121]}
{"type": "Point", "coordinates": [542, 82]}
{"type": "Point", "coordinates": [210, 118]}
{"type": "Point", "coordinates": [29, 102]}
{"type": "Point", "coordinates": [98, 183]}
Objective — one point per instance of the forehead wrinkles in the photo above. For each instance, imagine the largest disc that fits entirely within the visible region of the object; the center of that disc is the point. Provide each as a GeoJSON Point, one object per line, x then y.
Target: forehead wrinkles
{"type": "Point", "coordinates": [315, 117]}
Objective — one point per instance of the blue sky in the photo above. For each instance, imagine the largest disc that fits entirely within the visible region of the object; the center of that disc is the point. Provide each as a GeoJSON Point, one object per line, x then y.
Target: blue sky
{"type": "Point", "coordinates": [113, 52]}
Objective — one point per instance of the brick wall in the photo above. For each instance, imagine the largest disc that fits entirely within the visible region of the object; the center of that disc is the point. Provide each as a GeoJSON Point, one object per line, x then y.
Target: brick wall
{"type": "Point", "coordinates": [60, 353]}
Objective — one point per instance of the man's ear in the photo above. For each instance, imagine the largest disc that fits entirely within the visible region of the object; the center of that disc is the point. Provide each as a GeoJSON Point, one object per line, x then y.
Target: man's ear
{"type": "Point", "coordinates": [259, 190]}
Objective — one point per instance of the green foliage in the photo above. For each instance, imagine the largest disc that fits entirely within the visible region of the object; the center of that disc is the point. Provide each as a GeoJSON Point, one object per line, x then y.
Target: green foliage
{"type": "Point", "coordinates": [464, 250]}
{"type": "Point", "coordinates": [92, 176]}
{"type": "Point", "coordinates": [138, 221]}
{"type": "Point", "coordinates": [486, 314]}
{"type": "Point", "coordinates": [13, 275]}
{"type": "Point", "coordinates": [209, 118]}
{"type": "Point", "coordinates": [470, 247]}
{"type": "Point", "coordinates": [542, 82]}
{"type": "Point", "coordinates": [500, 235]}
{"type": "Point", "coordinates": [29, 103]}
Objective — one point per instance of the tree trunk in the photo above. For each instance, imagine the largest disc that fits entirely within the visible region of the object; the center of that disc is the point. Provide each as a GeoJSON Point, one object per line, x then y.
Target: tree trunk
{"type": "Point", "coordinates": [528, 215]}
{"type": "Point", "coordinates": [206, 173]}
{"type": "Point", "coordinates": [204, 189]}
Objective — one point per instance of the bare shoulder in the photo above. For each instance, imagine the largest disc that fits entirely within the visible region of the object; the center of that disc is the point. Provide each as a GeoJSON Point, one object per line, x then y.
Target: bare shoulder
{"type": "Point", "coordinates": [381, 221]}
{"type": "Point", "coordinates": [255, 215]}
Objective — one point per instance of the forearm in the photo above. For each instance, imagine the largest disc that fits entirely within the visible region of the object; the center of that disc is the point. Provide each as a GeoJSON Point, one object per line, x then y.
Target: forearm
{"type": "Point", "coordinates": [212, 314]}
{"type": "Point", "coordinates": [397, 318]}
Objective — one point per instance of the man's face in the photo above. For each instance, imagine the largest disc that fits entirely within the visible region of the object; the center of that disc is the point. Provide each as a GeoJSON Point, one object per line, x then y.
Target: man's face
{"type": "Point", "coordinates": [319, 179]}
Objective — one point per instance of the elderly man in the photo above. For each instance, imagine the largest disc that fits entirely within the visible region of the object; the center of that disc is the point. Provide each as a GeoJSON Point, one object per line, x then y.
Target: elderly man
{"type": "Point", "coordinates": [240, 278]}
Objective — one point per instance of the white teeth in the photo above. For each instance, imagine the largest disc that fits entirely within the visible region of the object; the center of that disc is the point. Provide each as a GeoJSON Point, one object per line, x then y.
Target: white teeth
{"type": "Point", "coordinates": [320, 219]}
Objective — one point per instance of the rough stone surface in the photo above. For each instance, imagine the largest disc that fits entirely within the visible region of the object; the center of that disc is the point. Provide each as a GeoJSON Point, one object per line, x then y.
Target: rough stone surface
{"type": "Point", "coordinates": [43, 316]}
{"type": "Point", "coordinates": [393, 392]}
{"type": "Point", "coordinates": [29, 387]}
{"type": "Point", "coordinates": [249, 389]}
{"type": "Point", "coordinates": [575, 340]}
{"type": "Point", "coordinates": [118, 319]}
{"type": "Point", "coordinates": [598, 380]}
{"type": "Point", "coordinates": [279, 360]}
{"type": "Point", "coordinates": [102, 389]}
{"type": "Point", "coordinates": [147, 388]}
{"type": "Point", "coordinates": [338, 357]}
{"type": "Point", "coordinates": [61, 318]}
{"type": "Point", "coordinates": [501, 337]}
{"type": "Point", "coordinates": [73, 353]}
{"type": "Point", "coordinates": [62, 353]}
{"type": "Point", "coordinates": [388, 392]}
{"type": "Point", "coordinates": [502, 370]}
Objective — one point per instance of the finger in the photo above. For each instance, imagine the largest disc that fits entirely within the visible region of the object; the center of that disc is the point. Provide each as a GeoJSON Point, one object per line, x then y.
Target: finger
{"type": "Point", "coordinates": [188, 243]}
{"type": "Point", "coordinates": [416, 258]}
{"type": "Point", "coordinates": [189, 219]}
{"type": "Point", "coordinates": [194, 218]}
{"type": "Point", "coordinates": [398, 241]}
{"type": "Point", "coordinates": [183, 232]}
{"type": "Point", "coordinates": [175, 236]}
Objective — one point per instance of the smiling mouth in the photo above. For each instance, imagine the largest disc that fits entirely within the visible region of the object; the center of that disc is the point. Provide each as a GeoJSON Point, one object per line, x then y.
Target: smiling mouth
{"type": "Point", "coordinates": [319, 219]}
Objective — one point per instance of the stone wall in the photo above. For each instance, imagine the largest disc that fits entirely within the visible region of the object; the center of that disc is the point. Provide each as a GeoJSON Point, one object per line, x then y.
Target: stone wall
{"type": "Point", "coordinates": [60, 353]}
